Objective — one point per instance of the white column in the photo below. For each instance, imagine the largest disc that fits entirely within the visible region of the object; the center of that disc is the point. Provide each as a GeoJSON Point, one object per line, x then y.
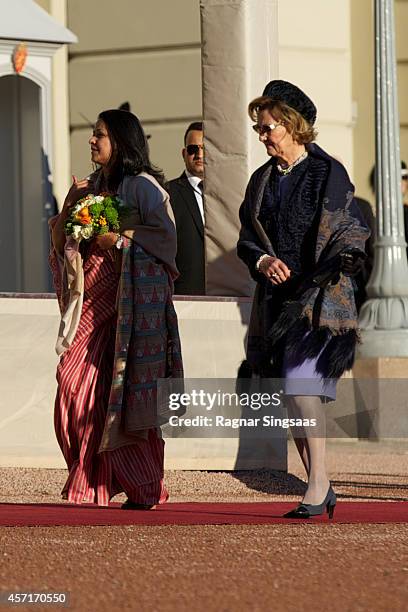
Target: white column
{"type": "Point", "coordinates": [61, 161]}
{"type": "Point", "coordinates": [384, 317]}
{"type": "Point", "coordinates": [239, 56]}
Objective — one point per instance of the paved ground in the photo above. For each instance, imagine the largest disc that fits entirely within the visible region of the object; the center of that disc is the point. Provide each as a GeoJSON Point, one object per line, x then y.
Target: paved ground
{"type": "Point", "coordinates": [222, 568]}
{"type": "Point", "coordinates": [363, 471]}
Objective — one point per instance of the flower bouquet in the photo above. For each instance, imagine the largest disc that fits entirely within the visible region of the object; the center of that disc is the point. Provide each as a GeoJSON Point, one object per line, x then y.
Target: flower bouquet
{"type": "Point", "coordinates": [95, 215]}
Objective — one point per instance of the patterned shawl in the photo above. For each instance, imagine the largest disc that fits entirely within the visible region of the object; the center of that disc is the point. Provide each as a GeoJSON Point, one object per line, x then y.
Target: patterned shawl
{"type": "Point", "coordinates": [147, 348]}
{"type": "Point", "coordinates": [147, 344]}
{"type": "Point", "coordinates": [328, 312]}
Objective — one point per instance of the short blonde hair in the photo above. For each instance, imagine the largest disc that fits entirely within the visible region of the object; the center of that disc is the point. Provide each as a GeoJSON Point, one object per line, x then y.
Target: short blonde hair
{"type": "Point", "coordinates": [300, 129]}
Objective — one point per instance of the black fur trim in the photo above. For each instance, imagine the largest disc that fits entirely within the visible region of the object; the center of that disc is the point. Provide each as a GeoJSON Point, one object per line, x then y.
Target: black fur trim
{"type": "Point", "coordinates": [338, 356]}
{"type": "Point", "coordinates": [306, 348]}
{"type": "Point", "coordinates": [295, 336]}
{"type": "Point", "coordinates": [290, 314]}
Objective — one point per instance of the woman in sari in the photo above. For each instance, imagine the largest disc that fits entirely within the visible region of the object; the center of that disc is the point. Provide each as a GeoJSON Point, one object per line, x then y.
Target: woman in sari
{"type": "Point", "coordinates": [302, 237]}
{"type": "Point", "coordinates": [118, 332]}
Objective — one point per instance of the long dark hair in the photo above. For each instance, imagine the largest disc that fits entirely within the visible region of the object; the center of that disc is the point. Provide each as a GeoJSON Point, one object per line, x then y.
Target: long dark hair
{"type": "Point", "coordinates": [130, 151]}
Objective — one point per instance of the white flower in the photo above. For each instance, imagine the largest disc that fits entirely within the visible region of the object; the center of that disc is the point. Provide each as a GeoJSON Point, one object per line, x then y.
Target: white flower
{"type": "Point", "coordinates": [87, 231]}
{"type": "Point", "coordinates": [84, 202]}
{"type": "Point", "coordinates": [98, 199]}
{"type": "Point", "coordinates": [79, 206]}
{"type": "Point", "coordinates": [76, 233]}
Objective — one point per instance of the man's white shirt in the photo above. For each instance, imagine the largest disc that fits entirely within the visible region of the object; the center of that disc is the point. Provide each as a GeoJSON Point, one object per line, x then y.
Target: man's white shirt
{"type": "Point", "coordinates": [194, 181]}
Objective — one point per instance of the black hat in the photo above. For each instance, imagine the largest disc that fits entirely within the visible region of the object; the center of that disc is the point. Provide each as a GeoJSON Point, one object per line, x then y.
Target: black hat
{"type": "Point", "coordinates": [294, 97]}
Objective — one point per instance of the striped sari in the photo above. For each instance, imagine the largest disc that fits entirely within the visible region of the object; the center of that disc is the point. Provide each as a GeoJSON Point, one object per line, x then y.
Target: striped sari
{"type": "Point", "coordinates": [84, 377]}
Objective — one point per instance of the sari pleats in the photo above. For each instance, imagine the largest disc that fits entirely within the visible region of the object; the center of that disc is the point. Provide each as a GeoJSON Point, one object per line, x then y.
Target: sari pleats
{"type": "Point", "coordinates": [84, 377]}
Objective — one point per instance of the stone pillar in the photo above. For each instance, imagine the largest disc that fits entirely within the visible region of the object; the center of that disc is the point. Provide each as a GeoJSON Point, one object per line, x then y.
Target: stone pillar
{"type": "Point", "coordinates": [384, 317]}
{"type": "Point", "coordinates": [61, 173]}
{"type": "Point", "coordinates": [239, 56]}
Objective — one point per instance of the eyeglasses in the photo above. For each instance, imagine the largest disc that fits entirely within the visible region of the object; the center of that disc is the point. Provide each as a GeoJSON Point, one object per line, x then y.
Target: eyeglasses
{"type": "Point", "coordinates": [265, 129]}
{"type": "Point", "coordinates": [193, 149]}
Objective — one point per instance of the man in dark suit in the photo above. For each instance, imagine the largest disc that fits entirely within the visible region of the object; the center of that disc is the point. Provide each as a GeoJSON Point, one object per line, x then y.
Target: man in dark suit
{"type": "Point", "coordinates": [186, 199]}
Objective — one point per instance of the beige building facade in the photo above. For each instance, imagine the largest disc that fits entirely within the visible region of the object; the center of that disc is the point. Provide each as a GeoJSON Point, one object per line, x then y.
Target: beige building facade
{"type": "Point", "coordinates": [362, 47]}
{"type": "Point", "coordinates": [148, 53]}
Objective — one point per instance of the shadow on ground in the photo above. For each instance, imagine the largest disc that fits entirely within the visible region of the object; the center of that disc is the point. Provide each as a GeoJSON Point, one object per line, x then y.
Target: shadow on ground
{"type": "Point", "coordinates": [272, 482]}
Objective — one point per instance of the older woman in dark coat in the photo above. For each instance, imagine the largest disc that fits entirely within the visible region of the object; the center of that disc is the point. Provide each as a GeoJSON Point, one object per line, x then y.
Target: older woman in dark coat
{"type": "Point", "coordinates": [301, 238]}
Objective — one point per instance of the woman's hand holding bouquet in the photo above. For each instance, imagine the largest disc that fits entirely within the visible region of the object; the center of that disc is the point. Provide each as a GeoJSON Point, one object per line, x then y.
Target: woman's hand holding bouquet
{"type": "Point", "coordinates": [77, 190]}
{"type": "Point", "coordinates": [96, 216]}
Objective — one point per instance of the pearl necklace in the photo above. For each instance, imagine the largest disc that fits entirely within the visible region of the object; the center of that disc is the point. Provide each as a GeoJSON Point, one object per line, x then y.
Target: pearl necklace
{"type": "Point", "coordinates": [288, 169]}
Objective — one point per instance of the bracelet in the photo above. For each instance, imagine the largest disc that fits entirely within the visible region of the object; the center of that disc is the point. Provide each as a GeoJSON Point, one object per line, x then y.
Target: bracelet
{"type": "Point", "coordinates": [119, 242]}
{"type": "Point", "coordinates": [259, 261]}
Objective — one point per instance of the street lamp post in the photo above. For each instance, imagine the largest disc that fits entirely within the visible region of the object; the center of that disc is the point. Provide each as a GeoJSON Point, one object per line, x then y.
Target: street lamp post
{"type": "Point", "coordinates": [384, 317]}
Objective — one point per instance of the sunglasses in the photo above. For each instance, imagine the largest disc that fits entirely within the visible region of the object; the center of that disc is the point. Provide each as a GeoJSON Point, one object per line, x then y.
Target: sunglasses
{"type": "Point", "coordinates": [193, 149]}
{"type": "Point", "coordinates": [265, 129]}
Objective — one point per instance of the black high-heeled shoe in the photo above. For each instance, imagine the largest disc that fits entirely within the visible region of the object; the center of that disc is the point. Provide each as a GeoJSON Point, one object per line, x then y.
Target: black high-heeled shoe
{"type": "Point", "coordinates": [305, 511]}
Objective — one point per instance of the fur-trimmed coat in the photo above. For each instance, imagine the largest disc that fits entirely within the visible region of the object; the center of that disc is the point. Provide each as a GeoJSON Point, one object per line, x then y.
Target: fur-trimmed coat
{"type": "Point", "coordinates": [328, 312]}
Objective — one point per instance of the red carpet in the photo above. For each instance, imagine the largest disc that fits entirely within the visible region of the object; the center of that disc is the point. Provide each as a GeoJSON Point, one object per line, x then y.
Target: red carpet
{"type": "Point", "coordinates": [265, 513]}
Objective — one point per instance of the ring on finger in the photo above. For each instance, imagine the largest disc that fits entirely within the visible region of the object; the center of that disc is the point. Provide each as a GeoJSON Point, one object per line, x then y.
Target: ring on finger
{"type": "Point", "coordinates": [275, 275]}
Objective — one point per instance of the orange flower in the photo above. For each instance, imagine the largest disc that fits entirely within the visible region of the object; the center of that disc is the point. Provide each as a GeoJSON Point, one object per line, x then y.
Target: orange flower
{"type": "Point", "coordinates": [84, 212]}
{"type": "Point", "coordinates": [83, 216]}
{"type": "Point", "coordinates": [102, 221]}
